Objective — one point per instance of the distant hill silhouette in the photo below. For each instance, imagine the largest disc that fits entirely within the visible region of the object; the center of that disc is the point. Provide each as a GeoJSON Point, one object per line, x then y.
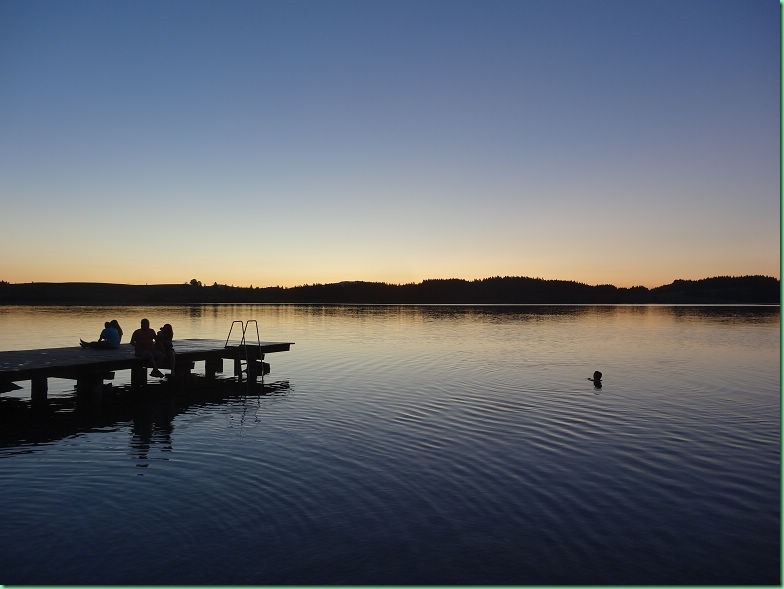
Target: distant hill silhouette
{"type": "Point", "coordinates": [496, 290]}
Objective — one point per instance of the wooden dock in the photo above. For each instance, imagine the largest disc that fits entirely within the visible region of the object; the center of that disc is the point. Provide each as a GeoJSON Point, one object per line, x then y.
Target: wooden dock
{"type": "Point", "coordinates": [90, 367]}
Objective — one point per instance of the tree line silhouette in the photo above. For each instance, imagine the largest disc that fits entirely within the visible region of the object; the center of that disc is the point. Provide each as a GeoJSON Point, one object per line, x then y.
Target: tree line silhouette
{"type": "Point", "coordinates": [495, 290]}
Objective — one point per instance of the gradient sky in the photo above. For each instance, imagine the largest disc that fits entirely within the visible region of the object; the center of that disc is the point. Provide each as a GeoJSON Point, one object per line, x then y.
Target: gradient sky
{"type": "Point", "coordinates": [289, 142]}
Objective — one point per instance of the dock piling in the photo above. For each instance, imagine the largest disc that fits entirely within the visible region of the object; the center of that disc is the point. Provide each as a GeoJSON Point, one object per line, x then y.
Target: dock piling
{"type": "Point", "coordinates": [138, 376]}
{"type": "Point", "coordinates": [39, 386]}
{"type": "Point", "coordinates": [212, 366]}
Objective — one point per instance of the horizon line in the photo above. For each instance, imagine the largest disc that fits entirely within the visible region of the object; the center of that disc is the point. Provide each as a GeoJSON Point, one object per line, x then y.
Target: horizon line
{"type": "Point", "coordinates": [497, 277]}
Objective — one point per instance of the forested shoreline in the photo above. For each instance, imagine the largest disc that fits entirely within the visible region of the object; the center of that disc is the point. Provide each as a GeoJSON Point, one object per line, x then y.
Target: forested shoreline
{"type": "Point", "coordinates": [496, 290]}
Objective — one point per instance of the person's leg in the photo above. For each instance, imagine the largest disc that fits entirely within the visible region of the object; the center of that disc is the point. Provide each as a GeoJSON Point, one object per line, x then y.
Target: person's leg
{"type": "Point", "coordinates": [95, 345]}
{"type": "Point", "coordinates": [155, 371]}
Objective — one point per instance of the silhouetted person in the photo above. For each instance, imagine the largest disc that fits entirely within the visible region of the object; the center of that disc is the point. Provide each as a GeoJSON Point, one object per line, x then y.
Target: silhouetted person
{"type": "Point", "coordinates": [108, 340]}
{"type": "Point", "coordinates": [116, 325]}
{"type": "Point", "coordinates": [597, 379]}
{"type": "Point", "coordinates": [164, 347]}
{"type": "Point", "coordinates": [143, 341]}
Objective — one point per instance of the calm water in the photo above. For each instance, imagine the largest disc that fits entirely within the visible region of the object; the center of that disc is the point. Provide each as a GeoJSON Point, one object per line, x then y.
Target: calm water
{"type": "Point", "coordinates": [402, 445]}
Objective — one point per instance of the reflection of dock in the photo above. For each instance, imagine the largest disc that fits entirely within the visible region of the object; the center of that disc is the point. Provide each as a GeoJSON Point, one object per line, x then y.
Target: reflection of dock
{"type": "Point", "coordinates": [150, 409]}
{"type": "Point", "coordinates": [90, 367]}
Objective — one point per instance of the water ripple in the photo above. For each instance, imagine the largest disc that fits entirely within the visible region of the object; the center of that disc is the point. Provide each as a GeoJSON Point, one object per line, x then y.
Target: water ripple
{"type": "Point", "coordinates": [419, 447]}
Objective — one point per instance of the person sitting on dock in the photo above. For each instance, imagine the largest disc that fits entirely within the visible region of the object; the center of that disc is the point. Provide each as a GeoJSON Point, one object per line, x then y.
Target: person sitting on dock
{"type": "Point", "coordinates": [108, 340]}
{"type": "Point", "coordinates": [143, 341]}
{"type": "Point", "coordinates": [116, 325]}
{"type": "Point", "coordinates": [164, 347]}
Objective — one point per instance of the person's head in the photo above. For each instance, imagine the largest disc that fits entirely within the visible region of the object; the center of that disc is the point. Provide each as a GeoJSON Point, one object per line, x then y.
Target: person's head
{"type": "Point", "coordinates": [108, 324]}
{"type": "Point", "coordinates": [168, 330]}
{"type": "Point", "coordinates": [597, 375]}
{"type": "Point", "coordinates": [145, 324]}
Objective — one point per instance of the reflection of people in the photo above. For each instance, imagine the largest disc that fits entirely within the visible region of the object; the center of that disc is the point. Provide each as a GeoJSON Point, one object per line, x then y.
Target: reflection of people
{"type": "Point", "coordinates": [597, 379]}
{"type": "Point", "coordinates": [164, 348]}
{"type": "Point", "coordinates": [108, 340]}
{"type": "Point", "coordinates": [143, 341]}
{"type": "Point", "coordinates": [152, 426]}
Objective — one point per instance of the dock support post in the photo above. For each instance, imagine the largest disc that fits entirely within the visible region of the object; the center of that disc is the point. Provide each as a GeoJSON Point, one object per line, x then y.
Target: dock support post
{"type": "Point", "coordinates": [38, 389]}
{"type": "Point", "coordinates": [212, 366]}
{"type": "Point", "coordinates": [92, 384]}
{"type": "Point", "coordinates": [181, 372]}
{"type": "Point", "coordinates": [138, 377]}
{"type": "Point", "coordinates": [178, 376]}
{"type": "Point", "coordinates": [256, 368]}
{"type": "Point", "coordinates": [252, 371]}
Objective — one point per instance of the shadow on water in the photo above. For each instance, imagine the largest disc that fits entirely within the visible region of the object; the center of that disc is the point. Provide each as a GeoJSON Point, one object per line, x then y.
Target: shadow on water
{"type": "Point", "coordinates": [151, 410]}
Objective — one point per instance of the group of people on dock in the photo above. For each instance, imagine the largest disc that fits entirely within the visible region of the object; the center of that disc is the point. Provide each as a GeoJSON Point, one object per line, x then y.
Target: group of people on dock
{"type": "Point", "coordinates": [109, 339]}
{"type": "Point", "coordinates": [155, 348]}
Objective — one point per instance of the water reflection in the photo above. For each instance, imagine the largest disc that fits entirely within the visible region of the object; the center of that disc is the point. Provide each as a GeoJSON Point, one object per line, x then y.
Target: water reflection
{"type": "Point", "coordinates": [153, 424]}
{"type": "Point", "coordinates": [466, 435]}
{"type": "Point", "coordinates": [150, 411]}
{"type": "Point", "coordinates": [723, 314]}
{"type": "Point", "coordinates": [27, 327]}
{"type": "Point", "coordinates": [196, 311]}
{"type": "Point", "coordinates": [502, 313]}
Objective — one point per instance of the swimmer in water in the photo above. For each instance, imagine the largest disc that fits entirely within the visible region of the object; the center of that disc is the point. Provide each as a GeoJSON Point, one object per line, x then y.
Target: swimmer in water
{"type": "Point", "coordinates": [597, 379]}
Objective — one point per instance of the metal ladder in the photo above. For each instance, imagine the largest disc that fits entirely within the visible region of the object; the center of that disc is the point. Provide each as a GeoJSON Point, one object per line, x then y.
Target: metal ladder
{"type": "Point", "coordinates": [243, 346]}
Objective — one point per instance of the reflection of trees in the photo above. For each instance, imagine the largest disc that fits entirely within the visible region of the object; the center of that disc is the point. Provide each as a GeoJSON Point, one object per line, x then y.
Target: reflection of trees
{"type": "Point", "coordinates": [728, 314]}
{"type": "Point", "coordinates": [497, 290]}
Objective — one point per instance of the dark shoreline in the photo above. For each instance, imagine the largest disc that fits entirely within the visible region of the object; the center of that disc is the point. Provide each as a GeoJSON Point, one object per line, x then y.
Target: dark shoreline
{"type": "Point", "coordinates": [743, 290]}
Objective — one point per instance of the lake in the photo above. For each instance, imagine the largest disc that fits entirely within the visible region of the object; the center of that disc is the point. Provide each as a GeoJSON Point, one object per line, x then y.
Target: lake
{"type": "Point", "coordinates": [408, 445]}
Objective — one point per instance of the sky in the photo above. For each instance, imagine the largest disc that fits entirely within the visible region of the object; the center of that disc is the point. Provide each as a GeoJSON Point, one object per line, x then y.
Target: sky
{"type": "Point", "coordinates": [289, 142]}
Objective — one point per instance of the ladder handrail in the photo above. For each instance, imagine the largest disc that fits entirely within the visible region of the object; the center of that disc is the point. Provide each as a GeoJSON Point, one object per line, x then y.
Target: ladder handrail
{"type": "Point", "coordinates": [258, 337]}
{"type": "Point", "coordinates": [245, 326]}
{"type": "Point", "coordinates": [243, 343]}
{"type": "Point", "coordinates": [226, 345]}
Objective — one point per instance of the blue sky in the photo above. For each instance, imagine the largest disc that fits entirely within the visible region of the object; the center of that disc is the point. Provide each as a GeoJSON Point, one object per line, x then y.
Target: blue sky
{"type": "Point", "coordinates": [292, 142]}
